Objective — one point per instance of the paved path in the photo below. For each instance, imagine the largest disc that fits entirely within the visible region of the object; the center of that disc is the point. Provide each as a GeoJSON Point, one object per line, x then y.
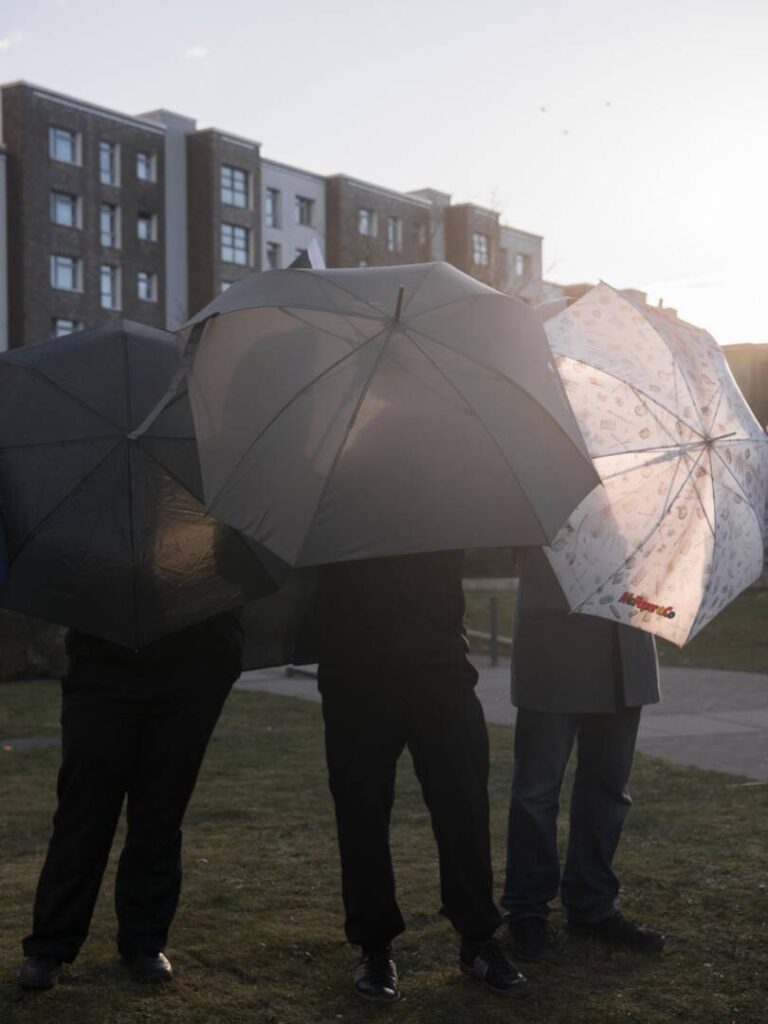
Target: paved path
{"type": "Point", "coordinates": [707, 718]}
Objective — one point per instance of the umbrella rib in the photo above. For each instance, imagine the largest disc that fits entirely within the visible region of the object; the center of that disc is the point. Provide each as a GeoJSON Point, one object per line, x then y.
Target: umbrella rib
{"type": "Point", "coordinates": [420, 285]}
{"type": "Point", "coordinates": [484, 426]}
{"type": "Point", "coordinates": [131, 517]}
{"type": "Point", "coordinates": [508, 380]}
{"type": "Point", "coordinates": [348, 430]}
{"type": "Point", "coordinates": [288, 310]}
{"type": "Point", "coordinates": [638, 547]}
{"type": "Point", "coordinates": [73, 398]}
{"type": "Point", "coordinates": [743, 495]}
{"type": "Point", "coordinates": [675, 364]}
{"type": "Point", "coordinates": [470, 297]}
{"type": "Point", "coordinates": [641, 395]}
{"type": "Point", "coordinates": [38, 527]}
{"type": "Point", "coordinates": [286, 405]}
{"type": "Point", "coordinates": [54, 444]}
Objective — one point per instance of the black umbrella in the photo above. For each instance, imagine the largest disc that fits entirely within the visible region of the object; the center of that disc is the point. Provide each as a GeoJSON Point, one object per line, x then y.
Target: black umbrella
{"type": "Point", "coordinates": [101, 500]}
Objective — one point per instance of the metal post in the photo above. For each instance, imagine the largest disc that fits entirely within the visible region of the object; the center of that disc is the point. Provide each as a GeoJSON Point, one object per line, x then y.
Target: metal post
{"type": "Point", "coordinates": [494, 631]}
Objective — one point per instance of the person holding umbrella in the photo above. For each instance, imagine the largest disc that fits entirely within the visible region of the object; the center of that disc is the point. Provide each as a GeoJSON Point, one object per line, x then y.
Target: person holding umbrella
{"type": "Point", "coordinates": [106, 533]}
{"type": "Point", "coordinates": [580, 680]}
{"type": "Point", "coordinates": [135, 725]}
{"type": "Point", "coordinates": [393, 672]}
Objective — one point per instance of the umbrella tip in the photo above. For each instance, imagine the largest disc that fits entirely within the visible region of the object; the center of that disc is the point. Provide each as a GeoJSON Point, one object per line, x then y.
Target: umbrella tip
{"type": "Point", "coordinates": [400, 297]}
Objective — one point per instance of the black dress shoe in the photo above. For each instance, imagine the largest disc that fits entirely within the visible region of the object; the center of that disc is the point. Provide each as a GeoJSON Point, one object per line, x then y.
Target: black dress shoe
{"type": "Point", "coordinates": [534, 940]}
{"type": "Point", "coordinates": [39, 972]}
{"type": "Point", "coordinates": [376, 976]}
{"type": "Point", "coordinates": [154, 967]}
{"type": "Point", "coordinates": [486, 962]}
{"type": "Point", "coordinates": [617, 931]}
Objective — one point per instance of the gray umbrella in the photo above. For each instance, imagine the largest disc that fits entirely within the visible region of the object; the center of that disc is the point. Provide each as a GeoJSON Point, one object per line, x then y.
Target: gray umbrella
{"type": "Point", "coordinates": [345, 414]}
{"type": "Point", "coordinates": [101, 505]}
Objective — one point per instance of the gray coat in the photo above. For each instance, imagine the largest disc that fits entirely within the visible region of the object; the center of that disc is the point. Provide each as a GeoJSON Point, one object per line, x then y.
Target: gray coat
{"type": "Point", "coordinates": [570, 663]}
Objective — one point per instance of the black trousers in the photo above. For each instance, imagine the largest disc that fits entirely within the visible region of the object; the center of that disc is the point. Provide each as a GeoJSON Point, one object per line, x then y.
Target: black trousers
{"type": "Point", "coordinates": [370, 716]}
{"type": "Point", "coordinates": [132, 733]}
{"type": "Point", "coordinates": [599, 804]}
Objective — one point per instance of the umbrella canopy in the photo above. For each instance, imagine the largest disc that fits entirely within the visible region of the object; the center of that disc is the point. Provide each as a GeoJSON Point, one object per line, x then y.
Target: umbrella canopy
{"type": "Point", "coordinates": [105, 527]}
{"type": "Point", "coordinates": [348, 414]}
{"type": "Point", "coordinates": [676, 531]}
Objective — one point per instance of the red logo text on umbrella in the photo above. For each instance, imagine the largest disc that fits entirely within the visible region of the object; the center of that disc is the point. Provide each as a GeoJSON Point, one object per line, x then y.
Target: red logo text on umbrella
{"type": "Point", "coordinates": [644, 605]}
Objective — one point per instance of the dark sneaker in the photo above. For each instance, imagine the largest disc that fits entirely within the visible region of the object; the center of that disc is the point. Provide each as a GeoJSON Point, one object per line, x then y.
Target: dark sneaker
{"type": "Point", "coordinates": [486, 961]}
{"type": "Point", "coordinates": [376, 976]}
{"type": "Point", "coordinates": [617, 931]}
{"type": "Point", "coordinates": [154, 967]}
{"type": "Point", "coordinates": [39, 972]}
{"type": "Point", "coordinates": [534, 940]}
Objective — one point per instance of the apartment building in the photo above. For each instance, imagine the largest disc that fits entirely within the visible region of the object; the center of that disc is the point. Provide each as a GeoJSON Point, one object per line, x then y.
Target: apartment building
{"type": "Point", "coordinates": [749, 365]}
{"type": "Point", "coordinates": [367, 225]}
{"type": "Point", "coordinates": [223, 212]}
{"type": "Point", "coordinates": [104, 214]}
{"type": "Point", "coordinates": [293, 213]}
{"type": "Point", "coordinates": [85, 216]}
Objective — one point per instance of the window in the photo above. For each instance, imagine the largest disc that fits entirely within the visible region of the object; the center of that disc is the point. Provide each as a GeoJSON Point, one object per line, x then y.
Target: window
{"type": "Point", "coordinates": [65, 273]}
{"type": "Point", "coordinates": [366, 222]}
{"type": "Point", "coordinates": [146, 227]}
{"type": "Point", "coordinates": [234, 244]}
{"type": "Point", "coordinates": [480, 249]}
{"type": "Point", "coordinates": [62, 326]}
{"type": "Point", "coordinates": [272, 205]}
{"type": "Point", "coordinates": [302, 210]}
{"type": "Point", "coordinates": [362, 263]}
{"type": "Point", "coordinates": [223, 285]}
{"type": "Point", "coordinates": [65, 209]}
{"type": "Point", "coordinates": [109, 163]}
{"type": "Point", "coordinates": [394, 234]}
{"type": "Point", "coordinates": [109, 225]}
{"type": "Point", "coordinates": [273, 255]}
{"type": "Point", "coordinates": [146, 286]}
{"type": "Point", "coordinates": [521, 265]}
{"type": "Point", "coordinates": [234, 186]}
{"type": "Point", "coordinates": [109, 286]}
{"type": "Point", "coordinates": [64, 145]}
{"type": "Point", "coordinates": [146, 169]}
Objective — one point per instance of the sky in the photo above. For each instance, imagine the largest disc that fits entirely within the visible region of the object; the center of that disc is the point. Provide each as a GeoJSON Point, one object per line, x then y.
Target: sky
{"type": "Point", "coordinates": [632, 135]}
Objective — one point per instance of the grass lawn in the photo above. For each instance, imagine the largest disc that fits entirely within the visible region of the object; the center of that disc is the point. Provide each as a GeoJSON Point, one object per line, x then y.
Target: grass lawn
{"type": "Point", "coordinates": [737, 639]}
{"type": "Point", "coordinates": [258, 939]}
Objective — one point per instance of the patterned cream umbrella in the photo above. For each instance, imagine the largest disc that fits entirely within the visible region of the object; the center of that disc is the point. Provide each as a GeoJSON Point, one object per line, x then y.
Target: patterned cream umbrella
{"type": "Point", "coordinates": [676, 530]}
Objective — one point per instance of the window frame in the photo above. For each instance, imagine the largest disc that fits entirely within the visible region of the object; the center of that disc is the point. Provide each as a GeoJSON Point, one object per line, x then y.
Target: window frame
{"type": "Point", "coordinates": [276, 249]}
{"type": "Point", "coordinates": [56, 320]}
{"type": "Point", "coordinates": [143, 217]}
{"type": "Point", "coordinates": [394, 244]}
{"type": "Point", "coordinates": [234, 173]}
{"type": "Point", "coordinates": [113, 180]}
{"type": "Point", "coordinates": [367, 215]}
{"type": "Point", "coordinates": [77, 272]}
{"type": "Point", "coordinates": [77, 147]}
{"type": "Point", "coordinates": [75, 205]}
{"type": "Point", "coordinates": [116, 278]}
{"type": "Point", "coordinates": [481, 249]}
{"type": "Point", "coordinates": [272, 207]}
{"type": "Point", "coordinates": [151, 279]}
{"type": "Point", "coordinates": [303, 205]}
{"type": "Point", "coordinates": [151, 163]}
{"type": "Point", "coordinates": [115, 238]}
{"type": "Point", "coordinates": [232, 247]}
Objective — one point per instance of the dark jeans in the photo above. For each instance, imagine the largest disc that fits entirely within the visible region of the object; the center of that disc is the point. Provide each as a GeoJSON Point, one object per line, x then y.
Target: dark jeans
{"type": "Point", "coordinates": [134, 733]}
{"type": "Point", "coordinates": [370, 716]}
{"type": "Point", "coordinates": [599, 805]}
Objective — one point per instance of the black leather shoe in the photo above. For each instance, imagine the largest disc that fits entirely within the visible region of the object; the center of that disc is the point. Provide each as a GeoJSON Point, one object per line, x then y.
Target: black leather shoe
{"type": "Point", "coordinates": [39, 972]}
{"type": "Point", "coordinates": [617, 931]}
{"type": "Point", "coordinates": [154, 967]}
{"type": "Point", "coordinates": [486, 962]}
{"type": "Point", "coordinates": [376, 976]}
{"type": "Point", "coordinates": [534, 940]}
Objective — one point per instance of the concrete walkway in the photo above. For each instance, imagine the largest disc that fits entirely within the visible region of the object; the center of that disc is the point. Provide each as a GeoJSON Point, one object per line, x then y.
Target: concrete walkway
{"type": "Point", "coordinates": [708, 718]}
